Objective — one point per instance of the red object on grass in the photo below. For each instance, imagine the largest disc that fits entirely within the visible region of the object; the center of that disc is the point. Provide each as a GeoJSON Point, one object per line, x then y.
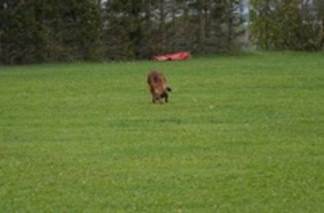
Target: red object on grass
{"type": "Point", "coordinates": [178, 56]}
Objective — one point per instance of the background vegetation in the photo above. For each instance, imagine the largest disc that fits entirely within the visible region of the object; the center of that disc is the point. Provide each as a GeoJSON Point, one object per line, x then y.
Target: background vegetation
{"type": "Point", "coordinates": [43, 31]}
{"type": "Point", "coordinates": [36, 31]}
{"type": "Point", "coordinates": [240, 134]}
{"type": "Point", "coordinates": [288, 25]}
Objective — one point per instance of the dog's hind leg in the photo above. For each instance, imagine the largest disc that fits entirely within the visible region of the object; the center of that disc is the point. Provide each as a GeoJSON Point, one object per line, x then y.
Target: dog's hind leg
{"type": "Point", "coordinates": [166, 97]}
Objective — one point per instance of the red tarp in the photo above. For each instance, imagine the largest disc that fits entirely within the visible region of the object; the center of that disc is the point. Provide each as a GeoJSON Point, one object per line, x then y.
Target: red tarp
{"type": "Point", "coordinates": [178, 56]}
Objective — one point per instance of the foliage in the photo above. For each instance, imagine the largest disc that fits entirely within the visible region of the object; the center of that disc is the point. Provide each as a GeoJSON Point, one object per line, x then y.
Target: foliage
{"type": "Point", "coordinates": [143, 28]}
{"type": "Point", "coordinates": [38, 31]}
{"type": "Point", "coordinates": [288, 25]}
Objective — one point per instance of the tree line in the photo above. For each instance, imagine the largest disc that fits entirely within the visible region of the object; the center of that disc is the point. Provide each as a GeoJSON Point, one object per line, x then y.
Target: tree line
{"type": "Point", "coordinates": [33, 31]}
{"type": "Point", "coordinates": [55, 30]}
{"type": "Point", "coordinates": [288, 24]}
{"type": "Point", "coordinates": [36, 31]}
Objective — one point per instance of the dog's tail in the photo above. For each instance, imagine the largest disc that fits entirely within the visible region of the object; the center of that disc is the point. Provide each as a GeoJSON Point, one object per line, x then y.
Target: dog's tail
{"type": "Point", "coordinates": [169, 89]}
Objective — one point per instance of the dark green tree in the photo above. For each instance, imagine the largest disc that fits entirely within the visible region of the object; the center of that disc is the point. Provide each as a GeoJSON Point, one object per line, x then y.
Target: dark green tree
{"type": "Point", "coordinates": [143, 28]}
{"type": "Point", "coordinates": [21, 37]}
{"type": "Point", "coordinates": [36, 31]}
{"type": "Point", "coordinates": [55, 30]}
{"type": "Point", "coordinates": [291, 24]}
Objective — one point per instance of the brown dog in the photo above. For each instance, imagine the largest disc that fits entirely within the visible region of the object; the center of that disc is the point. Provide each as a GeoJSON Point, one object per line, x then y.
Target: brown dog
{"type": "Point", "coordinates": [158, 87]}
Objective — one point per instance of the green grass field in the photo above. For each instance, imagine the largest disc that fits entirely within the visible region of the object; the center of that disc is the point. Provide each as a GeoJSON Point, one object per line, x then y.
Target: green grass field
{"type": "Point", "coordinates": [240, 134]}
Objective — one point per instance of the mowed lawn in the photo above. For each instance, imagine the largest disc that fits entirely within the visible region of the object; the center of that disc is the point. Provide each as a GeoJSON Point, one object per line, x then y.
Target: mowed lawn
{"type": "Point", "coordinates": [240, 134]}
